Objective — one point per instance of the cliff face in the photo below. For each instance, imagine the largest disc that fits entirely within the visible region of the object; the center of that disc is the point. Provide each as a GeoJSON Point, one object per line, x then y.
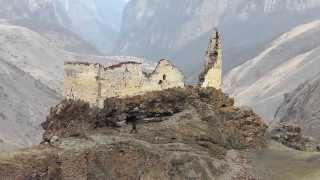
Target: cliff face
{"type": "Point", "coordinates": [146, 30]}
{"type": "Point", "coordinates": [301, 107]}
{"type": "Point", "coordinates": [181, 134]}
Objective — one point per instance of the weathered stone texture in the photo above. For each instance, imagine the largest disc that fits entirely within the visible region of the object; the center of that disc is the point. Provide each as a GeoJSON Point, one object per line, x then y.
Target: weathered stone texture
{"type": "Point", "coordinates": [213, 112]}
{"type": "Point", "coordinates": [212, 73]}
{"type": "Point", "coordinates": [80, 81]}
{"type": "Point", "coordinates": [94, 82]}
{"type": "Point", "coordinates": [213, 76]}
{"type": "Point", "coordinates": [165, 76]}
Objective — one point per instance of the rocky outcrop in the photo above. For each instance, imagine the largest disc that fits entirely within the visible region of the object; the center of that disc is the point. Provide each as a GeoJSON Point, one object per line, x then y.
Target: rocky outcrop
{"type": "Point", "coordinates": [241, 127]}
{"type": "Point", "coordinates": [181, 134]}
{"type": "Point", "coordinates": [115, 157]}
{"type": "Point", "coordinates": [291, 136]}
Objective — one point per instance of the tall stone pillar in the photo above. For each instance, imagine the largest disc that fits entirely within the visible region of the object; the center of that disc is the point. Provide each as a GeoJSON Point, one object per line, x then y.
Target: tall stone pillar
{"type": "Point", "coordinates": [211, 76]}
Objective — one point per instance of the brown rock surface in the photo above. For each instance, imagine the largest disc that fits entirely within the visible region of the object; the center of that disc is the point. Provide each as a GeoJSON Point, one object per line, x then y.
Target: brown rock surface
{"type": "Point", "coordinates": [291, 135]}
{"type": "Point", "coordinates": [182, 134]}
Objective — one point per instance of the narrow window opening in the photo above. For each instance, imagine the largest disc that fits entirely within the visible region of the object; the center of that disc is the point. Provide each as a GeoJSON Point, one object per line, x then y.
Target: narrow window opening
{"type": "Point", "coordinates": [160, 82]}
{"type": "Point", "coordinates": [164, 77]}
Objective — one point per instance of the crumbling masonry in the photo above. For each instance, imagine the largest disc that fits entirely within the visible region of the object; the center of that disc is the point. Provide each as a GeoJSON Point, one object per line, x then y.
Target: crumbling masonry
{"type": "Point", "coordinates": [212, 72]}
{"type": "Point", "coordinates": [96, 82]}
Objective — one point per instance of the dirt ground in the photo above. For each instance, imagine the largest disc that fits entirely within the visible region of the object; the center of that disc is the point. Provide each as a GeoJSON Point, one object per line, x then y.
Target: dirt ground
{"type": "Point", "coordinates": [278, 162]}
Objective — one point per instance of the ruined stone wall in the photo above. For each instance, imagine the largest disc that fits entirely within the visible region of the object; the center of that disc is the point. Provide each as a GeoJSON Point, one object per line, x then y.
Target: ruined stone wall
{"type": "Point", "coordinates": [213, 78]}
{"type": "Point", "coordinates": [212, 73]}
{"type": "Point", "coordinates": [165, 76]}
{"type": "Point", "coordinates": [121, 80]}
{"type": "Point", "coordinates": [94, 82]}
{"type": "Point", "coordinates": [80, 81]}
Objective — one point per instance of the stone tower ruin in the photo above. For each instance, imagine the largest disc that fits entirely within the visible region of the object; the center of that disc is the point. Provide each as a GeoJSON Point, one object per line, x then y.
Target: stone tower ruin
{"type": "Point", "coordinates": [211, 75]}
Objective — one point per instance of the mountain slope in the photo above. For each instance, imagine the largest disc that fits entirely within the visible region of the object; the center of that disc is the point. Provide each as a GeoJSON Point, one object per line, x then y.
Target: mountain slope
{"type": "Point", "coordinates": [180, 30]}
{"type": "Point", "coordinates": [25, 102]}
{"type": "Point", "coordinates": [301, 107]}
{"type": "Point", "coordinates": [75, 25]}
{"type": "Point", "coordinates": [290, 60]}
{"type": "Point", "coordinates": [40, 16]}
{"type": "Point", "coordinates": [33, 54]}
{"type": "Point", "coordinates": [30, 83]}
{"type": "Point", "coordinates": [95, 21]}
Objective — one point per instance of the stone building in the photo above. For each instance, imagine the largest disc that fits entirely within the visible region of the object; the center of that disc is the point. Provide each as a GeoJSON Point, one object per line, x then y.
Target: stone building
{"type": "Point", "coordinates": [96, 82]}
{"type": "Point", "coordinates": [212, 73]}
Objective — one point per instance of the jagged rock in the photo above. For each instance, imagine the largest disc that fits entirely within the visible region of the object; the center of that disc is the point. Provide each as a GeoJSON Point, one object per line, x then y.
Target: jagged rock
{"type": "Point", "coordinates": [182, 134]}
{"type": "Point", "coordinates": [291, 136]}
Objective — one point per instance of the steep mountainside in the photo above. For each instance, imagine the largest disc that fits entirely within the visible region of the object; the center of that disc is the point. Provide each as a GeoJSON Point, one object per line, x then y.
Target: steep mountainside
{"type": "Point", "coordinates": [30, 83]}
{"type": "Point", "coordinates": [68, 22]}
{"type": "Point", "coordinates": [302, 107]}
{"type": "Point", "coordinates": [179, 30]}
{"type": "Point", "coordinates": [289, 60]}
{"type": "Point", "coordinates": [25, 102]}
{"type": "Point", "coordinates": [33, 54]}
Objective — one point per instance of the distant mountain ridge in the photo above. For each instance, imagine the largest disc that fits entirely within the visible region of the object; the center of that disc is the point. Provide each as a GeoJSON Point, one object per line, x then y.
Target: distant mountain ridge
{"type": "Point", "coordinates": [290, 60]}
{"type": "Point", "coordinates": [94, 21]}
{"type": "Point", "coordinates": [179, 30]}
